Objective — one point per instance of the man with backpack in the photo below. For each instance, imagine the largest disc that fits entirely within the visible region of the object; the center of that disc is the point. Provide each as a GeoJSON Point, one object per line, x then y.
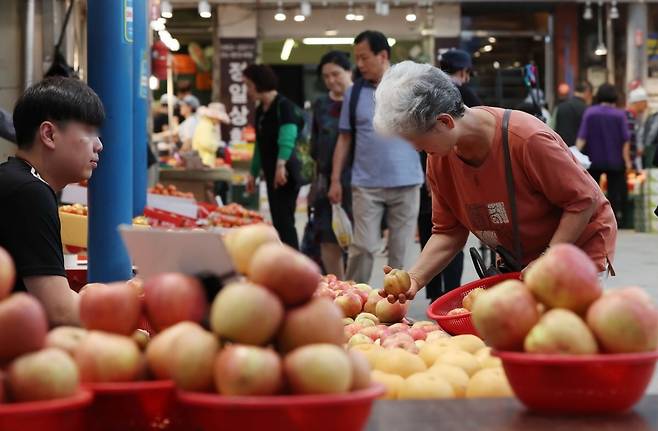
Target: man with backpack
{"type": "Point", "coordinates": [386, 172]}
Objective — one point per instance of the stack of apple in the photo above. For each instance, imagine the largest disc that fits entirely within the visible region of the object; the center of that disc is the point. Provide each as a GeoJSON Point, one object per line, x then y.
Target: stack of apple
{"type": "Point", "coordinates": [560, 308]}
{"type": "Point", "coordinates": [268, 334]}
{"type": "Point", "coordinates": [439, 366]}
{"type": "Point", "coordinates": [467, 302]}
{"type": "Point", "coordinates": [34, 372]}
{"type": "Point", "coordinates": [355, 298]}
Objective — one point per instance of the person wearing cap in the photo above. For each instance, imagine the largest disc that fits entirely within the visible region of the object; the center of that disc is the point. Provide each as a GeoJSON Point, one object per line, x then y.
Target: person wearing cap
{"type": "Point", "coordinates": [188, 107]}
{"type": "Point", "coordinates": [569, 113]}
{"type": "Point", "coordinates": [206, 139]}
{"type": "Point", "coordinates": [637, 104]}
{"type": "Point", "coordinates": [458, 65]}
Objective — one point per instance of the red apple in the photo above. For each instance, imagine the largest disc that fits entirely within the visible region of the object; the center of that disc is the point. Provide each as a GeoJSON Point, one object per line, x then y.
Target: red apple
{"type": "Point", "coordinates": [363, 295]}
{"type": "Point", "coordinates": [104, 357]}
{"type": "Point", "coordinates": [390, 313]}
{"type": "Point", "coordinates": [400, 340]}
{"type": "Point", "coordinates": [158, 351]}
{"type": "Point", "coordinates": [318, 321]}
{"type": "Point", "coordinates": [396, 282]}
{"type": "Point", "coordinates": [326, 292]}
{"type": "Point", "coordinates": [172, 297]}
{"type": "Point", "coordinates": [351, 330]}
{"type": "Point", "coordinates": [371, 302]}
{"type": "Point", "coordinates": [7, 273]}
{"type": "Point", "coordinates": [191, 359]}
{"type": "Point", "coordinates": [318, 369]}
{"type": "Point", "coordinates": [624, 321]}
{"type": "Point", "coordinates": [44, 375]}
{"type": "Point", "coordinates": [372, 331]}
{"type": "Point", "coordinates": [417, 334]}
{"type": "Point", "coordinates": [565, 277]}
{"type": "Point", "coordinates": [243, 242]}
{"type": "Point", "coordinates": [248, 370]}
{"type": "Point", "coordinates": [101, 306]}
{"type": "Point", "coordinates": [349, 303]}
{"type": "Point", "coordinates": [504, 315]}
{"type": "Point", "coordinates": [66, 338]}
{"type": "Point", "coordinates": [246, 313]}
{"type": "Point", "coordinates": [360, 370]}
{"type": "Point", "coordinates": [289, 274]}
{"type": "Point", "coordinates": [23, 326]}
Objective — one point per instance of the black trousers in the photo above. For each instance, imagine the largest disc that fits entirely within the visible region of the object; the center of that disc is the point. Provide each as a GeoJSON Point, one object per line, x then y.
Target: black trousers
{"type": "Point", "coordinates": [450, 277]}
{"type": "Point", "coordinates": [617, 190]}
{"type": "Point", "coordinates": [283, 202]}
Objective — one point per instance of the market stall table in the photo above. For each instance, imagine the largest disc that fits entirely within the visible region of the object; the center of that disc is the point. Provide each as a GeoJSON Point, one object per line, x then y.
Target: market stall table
{"type": "Point", "coordinates": [503, 414]}
{"type": "Point", "coordinates": [197, 181]}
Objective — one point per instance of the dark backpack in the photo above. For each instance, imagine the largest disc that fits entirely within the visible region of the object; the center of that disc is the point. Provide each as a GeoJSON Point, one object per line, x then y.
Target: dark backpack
{"type": "Point", "coordinates": [300, 165]}
{"type": "Point", "coordinates": [354, 100]}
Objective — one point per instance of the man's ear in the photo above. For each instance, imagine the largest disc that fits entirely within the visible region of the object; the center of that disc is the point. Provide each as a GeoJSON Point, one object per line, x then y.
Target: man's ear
{"type": "Point", "coordinates": [46, 132]}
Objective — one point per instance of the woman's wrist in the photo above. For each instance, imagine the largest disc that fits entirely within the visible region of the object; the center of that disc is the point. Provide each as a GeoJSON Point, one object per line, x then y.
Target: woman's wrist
{"type": "Point", "coordinates": [280, 163]}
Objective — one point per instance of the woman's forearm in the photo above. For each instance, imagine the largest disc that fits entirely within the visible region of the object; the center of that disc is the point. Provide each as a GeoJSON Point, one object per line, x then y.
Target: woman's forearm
{"type": "Point", "coordinates": [572, 225]}
{"type": "Point", "coordinates": [436, 255]}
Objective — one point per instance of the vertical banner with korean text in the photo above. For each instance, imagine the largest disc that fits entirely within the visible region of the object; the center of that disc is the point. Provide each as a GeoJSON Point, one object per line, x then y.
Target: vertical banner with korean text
{"type": "Point", "coordinates": [235, 55]}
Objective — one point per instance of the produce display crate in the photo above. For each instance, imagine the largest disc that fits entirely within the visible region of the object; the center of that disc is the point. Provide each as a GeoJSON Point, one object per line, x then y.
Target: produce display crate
{"type": "Point", "coordinates": [73, 229]}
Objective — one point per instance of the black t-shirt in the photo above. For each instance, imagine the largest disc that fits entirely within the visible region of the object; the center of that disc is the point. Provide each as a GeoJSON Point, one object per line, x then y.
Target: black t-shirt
{"type": "Point", "coordinates": [568, 116]}
{"type": "Point", "coordinates": [281, 111]}
{"type": "Point", "coordinates": [29, 222]}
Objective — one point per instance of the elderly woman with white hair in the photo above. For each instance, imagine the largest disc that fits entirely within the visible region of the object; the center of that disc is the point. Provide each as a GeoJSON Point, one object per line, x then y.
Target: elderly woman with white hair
{"type": "Point", "coordinates": [503, 175]}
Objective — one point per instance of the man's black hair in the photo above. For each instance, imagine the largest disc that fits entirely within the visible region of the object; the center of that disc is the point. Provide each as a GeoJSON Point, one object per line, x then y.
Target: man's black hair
{"type": "Point", "coordinates": [607, 93]}
{"type": "Point", "coordinates": [583, 86]}
{"type": "Point", "coordinates": [55, 99]}
{"type": "Point", "coordinates": [376, 40]}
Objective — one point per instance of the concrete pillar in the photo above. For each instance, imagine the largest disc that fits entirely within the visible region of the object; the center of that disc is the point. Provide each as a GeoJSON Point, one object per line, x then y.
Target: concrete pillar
{"type": "Point", "coordinates": [636, 35]}
{"type": "Point", "coordinates": [110, 70]}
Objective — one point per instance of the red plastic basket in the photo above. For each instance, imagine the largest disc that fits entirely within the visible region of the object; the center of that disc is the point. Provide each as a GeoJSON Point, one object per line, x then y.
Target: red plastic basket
{"type": "Point", "coordinates": [66, 414]}
{"type": "Point", "coordinates": [344, 412]}
{"type": "Point", "coordinates": [134, 406]}
{"type": "Point", "coordinates": [603, 383]}
{"type": "Point", "coordinates": [462, 324]}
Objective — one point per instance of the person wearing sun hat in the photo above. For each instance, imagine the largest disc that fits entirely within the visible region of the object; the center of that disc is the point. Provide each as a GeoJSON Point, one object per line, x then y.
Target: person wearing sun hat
{"type": "Point", "coordinates": [207, 138]}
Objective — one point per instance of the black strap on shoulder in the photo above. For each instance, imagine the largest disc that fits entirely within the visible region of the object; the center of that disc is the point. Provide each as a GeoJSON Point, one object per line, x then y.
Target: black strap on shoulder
{"type": "Point", "coordinates": [354, 100]}
{"type": "Point", "coordinates": [509, 177]}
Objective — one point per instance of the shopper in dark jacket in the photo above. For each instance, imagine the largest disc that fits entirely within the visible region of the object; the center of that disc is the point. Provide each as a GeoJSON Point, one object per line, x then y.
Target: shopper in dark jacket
{"type": "Point", "coordinates": [569, 114]}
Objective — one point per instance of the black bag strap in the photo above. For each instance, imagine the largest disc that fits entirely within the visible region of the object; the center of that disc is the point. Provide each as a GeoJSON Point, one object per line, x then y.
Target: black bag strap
{"type": "Point", "coordinates": [354, 100]}
{"type": "Point", "coordinates": [509, 178]}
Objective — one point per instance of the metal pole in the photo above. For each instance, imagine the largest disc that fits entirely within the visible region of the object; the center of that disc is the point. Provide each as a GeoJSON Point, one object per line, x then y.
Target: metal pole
{"type": "Point", "coordinates": [29, 43]}
{"type": "Point", "coordinates": [610, 44]}
{"type": "Point", "coordinates": [110, 56]}
{"type": "Point", "coordinates": [141, 73]}
{"type": "Point", "coordinates": [549, 56]}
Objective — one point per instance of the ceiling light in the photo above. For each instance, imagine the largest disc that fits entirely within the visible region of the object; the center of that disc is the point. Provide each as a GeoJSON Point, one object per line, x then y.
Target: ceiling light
{"type": "Point", "coordinates": [496, 65]}
{"type": "Point", "coordinates": [492, 40]}
{"type": "Point", "coordinates": [487, 48]}
{"type": "Point", "coordinates": [165, 9]}
{"type": "Point", "coordinates": [330, 32]}
{"type": "Point", "coordinates": [601, 50]}
{"type": "Point", "coordinates": [350, 16]}
{"type": "Point", "coordinates": [358, 15]}
{"type": "Point", "coordinates": [174, 45]}
{"type": "Point", "coordinates": [328, 40]}
{"type": "Point", "coordinates": [614, 12]}
{"type": "Point", "coordinates": [205, 10]}
{"type": "Point", "coordinates": [476, 54]}
{"type": "Point", "coordinates": [280, 15]}
{"type": "Point", "coordinates": [157, 25]}
{"type": "Point", "coordinates": [587, 13]}
{"type": "Point", "coordinates": [288, 45]}
{"type": "Point", "coordinates": [299, 17]}
{"type": "Point", "coordinates": [305, 8]}
{"type": "Point", "coordinates": [165, 36]}
{"type": "Point", "coordinates": [411, 16]}
{"type": "Point", "coordinates": [154, 82]}
{"type": "Point", "coordinates": [336, 41]}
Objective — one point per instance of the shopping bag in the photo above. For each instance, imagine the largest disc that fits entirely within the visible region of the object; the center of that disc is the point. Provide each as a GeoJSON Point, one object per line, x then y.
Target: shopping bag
{"type": "Point", "coordinates": [582, 159]}
{"type": "Point", "coordinates": [341, 225]}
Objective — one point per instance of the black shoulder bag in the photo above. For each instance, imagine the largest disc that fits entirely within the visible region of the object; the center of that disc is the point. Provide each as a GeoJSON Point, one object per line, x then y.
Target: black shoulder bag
{"type": "Point", "coordinates": [507, 261]}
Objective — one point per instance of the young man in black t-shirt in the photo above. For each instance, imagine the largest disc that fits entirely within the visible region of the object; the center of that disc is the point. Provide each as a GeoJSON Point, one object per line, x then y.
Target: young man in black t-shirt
{"type": "Point", "coordinates": [56, 123]}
